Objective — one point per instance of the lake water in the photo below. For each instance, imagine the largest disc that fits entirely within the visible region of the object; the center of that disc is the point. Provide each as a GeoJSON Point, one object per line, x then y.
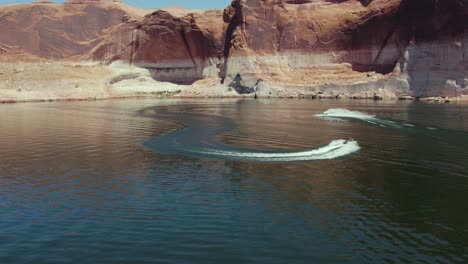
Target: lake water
{"type": "Point", "coordinates": [207, 181]}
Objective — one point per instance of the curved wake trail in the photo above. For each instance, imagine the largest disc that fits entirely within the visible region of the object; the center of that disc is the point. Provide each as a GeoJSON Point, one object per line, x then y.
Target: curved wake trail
{"type": "Point", "coordinates": [343, 114]}
{"type": "Point", "coordinates": [197, 139]}
{"type": "Point", "coordinates": [336, 149]}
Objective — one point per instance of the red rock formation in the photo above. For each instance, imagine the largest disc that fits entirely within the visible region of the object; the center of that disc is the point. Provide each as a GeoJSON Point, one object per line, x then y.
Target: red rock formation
{"type": "Point", "coordinates": [91, 1]}
{"type": "Point", "coordinates": [254, 45]}
{"type": "Point", "coordinates": [423, 37]}
{"type": "Point", "coordinates": [436, 54]}
{"type": "Point", "coordinates": [59, 31]}
{"type": "Point", "coordinates": [177, 49]}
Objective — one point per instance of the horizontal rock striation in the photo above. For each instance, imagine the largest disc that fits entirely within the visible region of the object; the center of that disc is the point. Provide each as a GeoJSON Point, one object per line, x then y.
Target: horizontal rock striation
{"type": "Point", "coordinates": [91, 1]}
{"type": "Point", "coordinates": [317, 48]}
{"type": "Point", "coordinates": [56, 31]}
{"type": "Point", "coordinates": [175, 49]}
{"type": "Point", "coordinates": [423, 41]}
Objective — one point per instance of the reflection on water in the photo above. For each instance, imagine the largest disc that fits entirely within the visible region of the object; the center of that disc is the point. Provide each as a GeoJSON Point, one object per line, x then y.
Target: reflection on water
{"type": "Point", "coordinates": [198, 138]}
{"type": "Point", "coordinates": [78, 185]}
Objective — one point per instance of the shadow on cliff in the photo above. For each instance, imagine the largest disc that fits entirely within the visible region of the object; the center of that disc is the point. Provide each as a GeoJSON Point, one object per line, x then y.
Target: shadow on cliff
{"type": "Point", "coordinates": [363, 2]}
{"type": "Point", "coordinates": [424, 38]}
{"type": "Point", "coordinates": [237, 85]}
{"type": "Point", "coordinates": [435, 55]}
{"type": "Point", "coordinates": [179, 75]}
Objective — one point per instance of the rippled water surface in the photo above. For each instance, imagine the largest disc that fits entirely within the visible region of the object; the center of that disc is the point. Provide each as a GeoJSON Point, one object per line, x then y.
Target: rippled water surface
{"type": "Point", "coordinates": [130, 181]}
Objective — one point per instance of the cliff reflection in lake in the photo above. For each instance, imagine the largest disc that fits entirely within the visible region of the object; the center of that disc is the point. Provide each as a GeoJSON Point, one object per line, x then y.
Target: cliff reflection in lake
{"type": "Point", "coordinates": [78, 183]}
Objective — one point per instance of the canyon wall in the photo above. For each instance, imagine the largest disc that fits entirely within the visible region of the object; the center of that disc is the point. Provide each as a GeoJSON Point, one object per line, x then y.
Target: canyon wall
{"type": "Point", "coordinates": [56, 31]}
{"type": "Point", "coordinates": [175, 47]}
{"type": "Point", "coordinates": [321, 48]}
{"type": "Point", "coordinates": [419, 45]}
{"type": "Point", "coordinates": [274, 47]}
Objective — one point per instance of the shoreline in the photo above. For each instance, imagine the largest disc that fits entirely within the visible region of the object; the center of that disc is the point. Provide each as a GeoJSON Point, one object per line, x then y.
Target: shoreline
{"type": "Point", "coordinates": [65, 81]}
{"type": "Point", "coordinates": [430, 100]}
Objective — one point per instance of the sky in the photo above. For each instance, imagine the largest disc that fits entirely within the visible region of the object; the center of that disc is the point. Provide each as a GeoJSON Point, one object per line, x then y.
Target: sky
{"type": "Point", "coordinates": [190, 4]}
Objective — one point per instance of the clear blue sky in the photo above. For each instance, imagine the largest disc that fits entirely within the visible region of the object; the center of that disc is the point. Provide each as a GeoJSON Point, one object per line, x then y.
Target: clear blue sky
{"type": "Point", "coordinates": [191, 4]}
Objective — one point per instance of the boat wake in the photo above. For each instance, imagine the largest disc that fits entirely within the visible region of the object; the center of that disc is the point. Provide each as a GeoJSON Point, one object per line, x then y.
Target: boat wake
{"type": "Point", "coordinates": [197, 140]}
{"type": "Point", "coordinates": [334, 150]}
{"type": "Point", "coordinates": [345, 114]}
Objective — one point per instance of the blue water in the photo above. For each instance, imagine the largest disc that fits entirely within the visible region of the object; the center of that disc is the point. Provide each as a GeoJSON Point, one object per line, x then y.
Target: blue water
{"type": "Point", "coordinates": [197, 138]}
{"type": "Point", "coordinates": [86, 182]}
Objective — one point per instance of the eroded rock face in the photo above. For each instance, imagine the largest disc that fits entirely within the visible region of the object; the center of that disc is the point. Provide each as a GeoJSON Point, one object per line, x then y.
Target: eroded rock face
{"type": "Point", "coordinates": [175, 49]}
{"type": "Point", "coordinates": [363, 47]}
{"type": "Point", "coordinates": [90, 1]}
{"type": "Point", "coordinates": [436, 53]}
{"type": "Point", "coordinates": [283, 40]}
{"type": "Point", "coordinates": [56, 31]}
{"type": "Point", "coordinates": [304, 34]}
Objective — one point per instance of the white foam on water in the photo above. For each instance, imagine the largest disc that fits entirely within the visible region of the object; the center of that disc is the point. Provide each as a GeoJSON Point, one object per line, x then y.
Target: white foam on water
{"type": "Point", "coordinates": [339, 113]}
{"type": "Point", "coordinates": [345, 113]}
{"type": "Point", "coordinates": [333, 119]}
{"type": "Point", "coordinates": [336, 149]}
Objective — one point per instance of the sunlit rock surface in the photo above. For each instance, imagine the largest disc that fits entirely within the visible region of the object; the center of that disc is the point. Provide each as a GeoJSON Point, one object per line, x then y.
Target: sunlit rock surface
{"type": "Point", "coordinates": [174, 48]}
{"type": "Point", "coordinates": [375, 49]}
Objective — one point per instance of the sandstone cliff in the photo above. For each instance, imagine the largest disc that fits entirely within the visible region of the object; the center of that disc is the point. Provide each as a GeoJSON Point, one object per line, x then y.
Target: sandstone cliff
{"type": "Point", "coordinates": [175, 46]}
{"type": "Point", "coordinates": [59, 31]}
{"type": "Point", "coordinates": [278, 48]}
{"type": "Point", "coordinates": [420, 44]}
{"type": "Point", "coordinates": [288, 47]}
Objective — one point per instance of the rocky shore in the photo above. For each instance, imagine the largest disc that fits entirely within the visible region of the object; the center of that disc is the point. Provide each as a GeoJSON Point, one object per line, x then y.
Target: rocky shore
{"type": "Point", "coordinates": [373, 50]}
{"type": "Point", "coordinates": [71, 81]}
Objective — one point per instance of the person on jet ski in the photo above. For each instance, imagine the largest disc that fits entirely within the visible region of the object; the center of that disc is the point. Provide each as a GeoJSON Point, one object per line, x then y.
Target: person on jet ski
{"type": "Point", "coordinates": [348, 139]}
